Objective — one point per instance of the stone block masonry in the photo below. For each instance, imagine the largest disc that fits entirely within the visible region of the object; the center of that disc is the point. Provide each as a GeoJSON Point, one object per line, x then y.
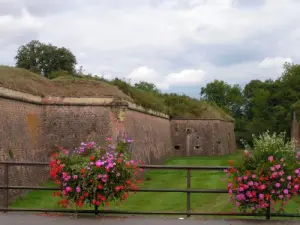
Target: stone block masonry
{"type": "Point", "coordinates": [32, 126]}
{"type": "Point", "coordinates": [207, 137]}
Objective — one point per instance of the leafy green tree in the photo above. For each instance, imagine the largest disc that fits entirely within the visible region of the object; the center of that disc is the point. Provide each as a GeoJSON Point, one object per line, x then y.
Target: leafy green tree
{"type": "Point", "coordinates": [145, 86]}
{"type": "Point", "coordinates": [45, 58]}
{"type": "Point", "coordinates": [228, 97]}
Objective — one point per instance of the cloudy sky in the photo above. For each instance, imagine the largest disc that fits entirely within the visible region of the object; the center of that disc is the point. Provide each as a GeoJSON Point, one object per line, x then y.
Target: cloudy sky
{"type": "Point", "coordinates": [179, 45]}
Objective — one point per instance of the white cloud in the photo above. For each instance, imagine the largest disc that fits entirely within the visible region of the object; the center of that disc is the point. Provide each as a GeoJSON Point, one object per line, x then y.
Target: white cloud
{"type": "Point", "coordinates": [177, 39]}
{"type": "Point", "coordinates": [184, 78]}
{"type": "Point", "coordinates": [11, 26]}
{"type": "Point", "coordinates": [276, 62]}
{"type": "Point", "coordinates": [187, 77]}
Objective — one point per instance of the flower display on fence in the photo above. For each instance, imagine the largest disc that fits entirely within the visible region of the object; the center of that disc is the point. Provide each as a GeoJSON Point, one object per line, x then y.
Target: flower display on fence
{"type": "Point", "coordinates": [93, 175]}
{"type": "Point", "coordinates": [269, 174]}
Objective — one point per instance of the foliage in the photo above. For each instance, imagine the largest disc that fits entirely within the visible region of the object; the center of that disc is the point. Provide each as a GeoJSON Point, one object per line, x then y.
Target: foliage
{"type": "Point", "coordinates": [58, 73]}
{"type": "Point", "coordinates": [175, 105]}
{"type": "Point", "coordinates": [142, 85]}
{"type": "Point", "coordinates": [260, 105]}
{"type": "Point", "coordinates": [95, 176]}
{"type": "Point", "coordinates": [228, 97]}
{"type": "Point", "coordinates": [45, 58]}
{"type": "Point", "coordinates": [268, 174]}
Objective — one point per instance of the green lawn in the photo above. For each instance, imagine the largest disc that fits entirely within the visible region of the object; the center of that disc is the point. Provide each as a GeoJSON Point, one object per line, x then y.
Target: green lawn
{"type": "Point", "coordinates": [166, 179]}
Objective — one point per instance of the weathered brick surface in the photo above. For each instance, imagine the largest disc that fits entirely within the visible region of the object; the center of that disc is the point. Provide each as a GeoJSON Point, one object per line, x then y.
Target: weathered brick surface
{"type": "Point", "coordinates": [202, 137]}
{"type": "Point", "coordinates": [152, 143]}
{"type": "Point", "coordinates": [68, 126]}
{"type": "Point", "coordinates": [22, 138]}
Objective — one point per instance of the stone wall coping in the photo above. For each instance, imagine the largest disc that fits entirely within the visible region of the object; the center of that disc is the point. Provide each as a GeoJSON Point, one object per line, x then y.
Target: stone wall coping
{"type": "Point", "coordinates": [203, 119]}
{"type": "Point", "coordinates": [75, 101]}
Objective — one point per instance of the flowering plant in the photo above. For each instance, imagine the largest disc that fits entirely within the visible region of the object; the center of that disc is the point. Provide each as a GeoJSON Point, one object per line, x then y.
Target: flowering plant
{"type": "Point", "coordinates": [93, 175]}
{"type": "Point", "coordinates": [268, 174]}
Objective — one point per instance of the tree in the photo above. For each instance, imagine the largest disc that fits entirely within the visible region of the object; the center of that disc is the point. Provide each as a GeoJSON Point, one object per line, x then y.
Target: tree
{"type": "Point", "coordinates": [147, 87]}
{"type": "Point", "coordinates": [228, 97]}
{"type": "Point", "coordinates": [45, 58]}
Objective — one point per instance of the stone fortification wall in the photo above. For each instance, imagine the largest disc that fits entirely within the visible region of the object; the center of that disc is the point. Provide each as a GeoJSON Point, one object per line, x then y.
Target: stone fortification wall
{"type": "Point", "coordinates": [192, 137]}
{"type": "Point", "coordinates": [32, 127]}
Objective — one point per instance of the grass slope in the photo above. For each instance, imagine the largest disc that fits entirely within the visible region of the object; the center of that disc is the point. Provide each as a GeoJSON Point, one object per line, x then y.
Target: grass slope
{"type": "Point", "coordinates": [67, 86]}
{"type": "Point", "coordinates": [166, 179]}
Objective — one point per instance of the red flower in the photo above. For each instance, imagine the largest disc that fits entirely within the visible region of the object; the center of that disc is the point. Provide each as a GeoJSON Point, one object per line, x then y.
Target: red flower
{"type": "Point", "coordinates": [92, 158]}
{"type": "Point", "coordinates": [100, 186]}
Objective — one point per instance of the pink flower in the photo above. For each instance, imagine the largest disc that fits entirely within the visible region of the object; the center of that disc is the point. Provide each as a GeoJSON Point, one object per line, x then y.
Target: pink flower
{"type": "Point", "coordinates": [245, 177]}
{"type": "Point", "coordinates": [286, 191]}
{"type": "Point", "coordinates": [248, 193]}
{"type": "Point", "coordinates": [68, 189]}
{"type": "Point", "coordinates": [272, 168]}
{"type": "Point", "coordinates": [289, 177]}
{"type": "Point", "coordinates": [229, 184]}
{"type": "Point", "coordinates": [261, 196]}
{"type": "Point", "coordinates": [99, 163]}
{"type": "Point", "coordinates": [78, 189]}
{"type": "Point", "coordinates": [296, 186]}
{"type": "Point", "coordinates": [250, 183]}
{"type": "Point", "coordinates": [277, 185]}
{"type": "Point", "coordinates": [297, 171]}
{"type": "Point", "coordinates": [253, 176]}
{"type": "Point", "coordinates": [274, 175]}
{"type": "Point", "coordinates": [271, 158]}
{"type": "Point", "coordinates": [277, 167]}
{"type": "Point", "coordinates": [263, 187]}
{"type": "Point", "coordinates": [281, 196]}
{"type": "Point", "coordinates": [108, 139]}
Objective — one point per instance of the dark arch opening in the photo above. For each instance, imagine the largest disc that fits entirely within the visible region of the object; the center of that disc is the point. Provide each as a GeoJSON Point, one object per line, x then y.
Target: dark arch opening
{"type": "Point", "coordinates": [177, 147]}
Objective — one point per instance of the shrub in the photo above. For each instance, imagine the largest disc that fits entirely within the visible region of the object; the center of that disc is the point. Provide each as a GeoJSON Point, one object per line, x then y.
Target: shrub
{"type": "Point", "coordinates": [58, 73]}
{"type": "Point", "coordinates": [268, 174]}
{"type": "Point", "coordinates": [94, 176]}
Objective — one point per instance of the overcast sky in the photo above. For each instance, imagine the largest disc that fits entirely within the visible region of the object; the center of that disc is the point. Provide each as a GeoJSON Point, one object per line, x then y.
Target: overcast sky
{"type": "Point", "coordinates": [179, 45]}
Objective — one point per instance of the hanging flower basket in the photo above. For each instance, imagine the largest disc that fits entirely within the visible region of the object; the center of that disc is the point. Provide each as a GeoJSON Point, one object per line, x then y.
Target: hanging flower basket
{"type": "Point", "coordinates": [94, 176]}
{"type": "Point", "coordinates": [268, 175]}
